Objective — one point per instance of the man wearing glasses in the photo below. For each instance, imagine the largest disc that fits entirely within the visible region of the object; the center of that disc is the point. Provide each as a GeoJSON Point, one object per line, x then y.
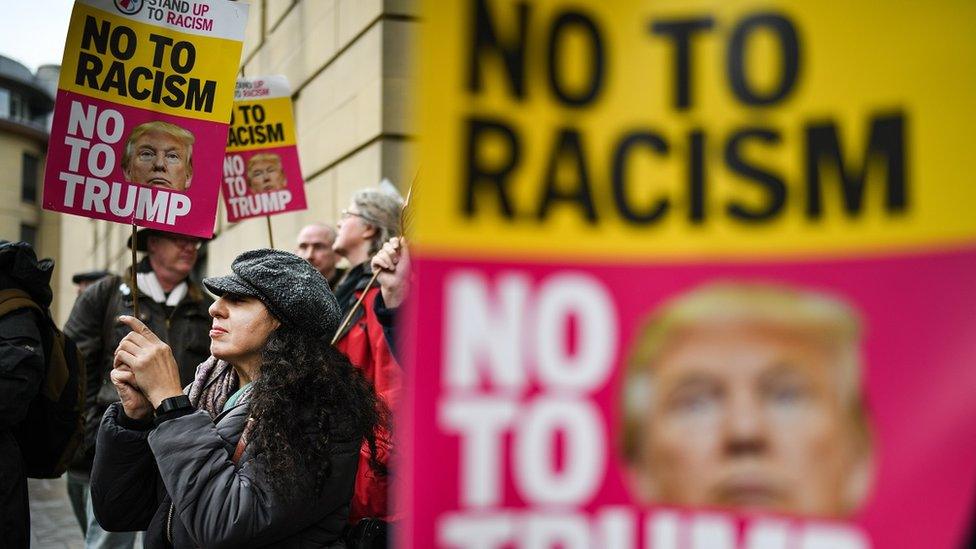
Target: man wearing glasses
{"type": "Point", "coordinates": [372, 218]}
{"type": "Point", "coordinates": [173, 305]}
{"type": "Point", "coordinates": [159, 154]}
{"type": "Point", "coordinates": [370, 221]}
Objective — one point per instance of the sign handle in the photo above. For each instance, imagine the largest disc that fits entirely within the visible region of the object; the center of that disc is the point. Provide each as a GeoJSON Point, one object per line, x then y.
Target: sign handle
{"type": "Point", "coordinates": [135, 284]}
{"type": "Point", "coordinates": [270, 235]}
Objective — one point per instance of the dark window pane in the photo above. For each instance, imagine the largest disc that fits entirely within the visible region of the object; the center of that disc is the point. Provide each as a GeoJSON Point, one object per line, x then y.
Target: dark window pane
{"type": "Point", "coordinates": [28, 179]}
{"type": "Point", "coordinates": [28, 233]}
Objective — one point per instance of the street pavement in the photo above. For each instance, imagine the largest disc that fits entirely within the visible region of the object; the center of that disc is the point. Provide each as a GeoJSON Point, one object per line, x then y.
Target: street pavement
{"type": "Point", "coordinates": [53, 524]}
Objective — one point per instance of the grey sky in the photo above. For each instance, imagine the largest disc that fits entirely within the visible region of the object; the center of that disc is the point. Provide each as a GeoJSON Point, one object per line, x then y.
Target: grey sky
{"type": "Point", "coordinates": [33, 31]}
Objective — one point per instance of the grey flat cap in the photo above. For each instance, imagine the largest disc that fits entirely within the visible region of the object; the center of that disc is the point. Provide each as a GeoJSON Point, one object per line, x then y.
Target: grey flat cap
{"type": "Point", "coordinates": [290, 287]}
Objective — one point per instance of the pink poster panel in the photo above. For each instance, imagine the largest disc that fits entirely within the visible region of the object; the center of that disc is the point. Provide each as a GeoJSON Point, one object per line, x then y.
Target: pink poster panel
{"type": "Point", "coordinates": [263, 182]}
{"type": "Point", "coordinates": [820, 404]}
{"type": "Point", "coordinates": [94, 141]}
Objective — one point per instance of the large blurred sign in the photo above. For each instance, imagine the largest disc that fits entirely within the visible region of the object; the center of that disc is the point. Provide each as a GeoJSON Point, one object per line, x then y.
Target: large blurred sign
{"type": "Point", "coordinates": [693, 274]}
{"type": "Point", "coordinates": [140, 119]}
{"type": "Point", "coordinates": [262, 175]}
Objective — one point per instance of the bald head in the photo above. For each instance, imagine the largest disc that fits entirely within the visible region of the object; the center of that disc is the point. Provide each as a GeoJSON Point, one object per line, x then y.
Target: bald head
{"type": "Point", "coordinates": [314, 244]}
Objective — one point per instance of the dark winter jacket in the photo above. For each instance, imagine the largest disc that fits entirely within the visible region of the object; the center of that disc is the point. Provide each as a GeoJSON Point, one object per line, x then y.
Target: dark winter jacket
{"type": "Point", "coordinates": [93, 326]}
{"type": "Point", "coordinates": [22, 369]}
{"type": "Point", "coordinates": [179, 478]}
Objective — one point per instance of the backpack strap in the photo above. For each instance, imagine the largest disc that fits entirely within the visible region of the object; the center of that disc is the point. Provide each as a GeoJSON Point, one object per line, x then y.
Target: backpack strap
{"type": "Point", "coordinates": [13, 299]}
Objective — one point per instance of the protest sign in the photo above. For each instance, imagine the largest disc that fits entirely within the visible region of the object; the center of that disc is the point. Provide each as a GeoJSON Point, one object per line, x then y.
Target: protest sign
{"type": "Point", "coordinates": [140, 118]}
{"type": "Point", "coordinates": [692, 274]}
{"type": "Point", "coordinates": [262, 175]}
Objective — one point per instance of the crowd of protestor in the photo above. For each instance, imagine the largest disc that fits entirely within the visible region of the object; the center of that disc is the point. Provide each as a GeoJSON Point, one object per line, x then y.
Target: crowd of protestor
{"type": "Point", "coordinates": [253, 409]}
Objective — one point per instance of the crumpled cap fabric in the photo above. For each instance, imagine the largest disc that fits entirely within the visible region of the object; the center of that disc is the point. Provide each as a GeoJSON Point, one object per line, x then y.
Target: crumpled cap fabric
{"type": "Point", "coordinates": [291, 288]}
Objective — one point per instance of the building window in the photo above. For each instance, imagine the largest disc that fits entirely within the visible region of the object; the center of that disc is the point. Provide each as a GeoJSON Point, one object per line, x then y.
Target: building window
{"type": "Point", "coordinates": [19, 107]}
{"type": "Point", "coordinates": [28, 178]}
{"type": "Point", "coordinates": [4, 103]}
{"type": "Point", "coordinates": [28, 233]}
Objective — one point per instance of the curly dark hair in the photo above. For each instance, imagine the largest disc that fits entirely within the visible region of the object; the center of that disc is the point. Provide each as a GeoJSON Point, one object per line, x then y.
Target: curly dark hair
{"type": "Point", "coordinates": [309, 395]}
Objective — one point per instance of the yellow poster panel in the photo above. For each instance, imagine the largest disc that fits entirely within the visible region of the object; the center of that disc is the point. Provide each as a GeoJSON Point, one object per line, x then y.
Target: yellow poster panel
{"type": "Point", "coordinates": [139, 65]}
{"type": "Point", "coordinates": [676, 129]}
{"type": "Point", "coordinates": [261, 123]}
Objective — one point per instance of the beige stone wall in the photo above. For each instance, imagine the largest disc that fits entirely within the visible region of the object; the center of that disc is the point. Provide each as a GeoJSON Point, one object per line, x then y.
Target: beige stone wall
{"type": "Point", "coordinates": [13, 211]}
{"type": "Point", "coordinates": [349, 68]}
{"type": "Point", "coordinates": [348, 65]}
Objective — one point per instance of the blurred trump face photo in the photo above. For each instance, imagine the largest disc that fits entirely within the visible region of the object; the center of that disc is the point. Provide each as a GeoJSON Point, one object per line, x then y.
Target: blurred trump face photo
{"type": "Point", "coordinates": [264, 173]}
{"type": "Point", "coordinates": [747, 396]}
{"type": "Point", "coordinates": [159, 154]}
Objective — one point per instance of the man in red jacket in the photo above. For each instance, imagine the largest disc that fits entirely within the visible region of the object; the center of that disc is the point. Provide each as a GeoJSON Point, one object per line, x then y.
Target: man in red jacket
{"type": "Point", "coordinates": [370, 344]}
{"type": "Point", "coordinates": [366, 230]}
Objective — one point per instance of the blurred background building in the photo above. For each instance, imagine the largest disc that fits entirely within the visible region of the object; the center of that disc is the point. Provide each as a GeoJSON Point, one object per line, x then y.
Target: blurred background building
{"type": "Point", "coordinates": [348, 63]}
{"type": "Point", "coordinates": [26, 105]}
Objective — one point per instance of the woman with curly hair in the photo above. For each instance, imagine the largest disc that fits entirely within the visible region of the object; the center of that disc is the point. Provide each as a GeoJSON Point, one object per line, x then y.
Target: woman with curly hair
{"type": "Point", "coordinates": [262, 448]}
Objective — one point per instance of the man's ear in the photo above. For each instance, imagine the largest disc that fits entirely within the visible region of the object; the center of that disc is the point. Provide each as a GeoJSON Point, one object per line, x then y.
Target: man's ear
{"type": "Point", "coordinates": [189, 180]}
{"type": "Point", "coordinates": [370, 231]}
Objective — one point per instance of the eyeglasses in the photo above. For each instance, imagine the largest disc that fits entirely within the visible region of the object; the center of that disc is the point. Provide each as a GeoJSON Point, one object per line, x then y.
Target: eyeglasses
{"type": "Point", "coordinates": [185, 242]}
{"type": "Point", "coordinates": [345, 214]}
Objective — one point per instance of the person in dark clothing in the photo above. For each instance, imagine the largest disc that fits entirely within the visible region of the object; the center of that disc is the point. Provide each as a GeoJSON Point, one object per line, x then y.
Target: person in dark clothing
{"type": "Point", "coordinates": [22, 369]}
{"type": "Point", "coordinates": [85, 279]}
{"type": "Point", "coordinates": [262, 448]}
{"type": "Point", "coordinates": [172, 304]}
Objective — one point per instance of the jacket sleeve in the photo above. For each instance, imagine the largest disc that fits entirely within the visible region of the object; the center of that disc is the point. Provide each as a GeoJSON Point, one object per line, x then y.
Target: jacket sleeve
{"type": "Point", "coordinates": [124, 478]}
{"type": "Point", "coordinates": [85, 327]}
{"type": "Point", "coordinates": [21, 365]}
{"type": "Point", "coordinates": [223, 506]}
{"type": "Point", "coordinates": [388, 320]}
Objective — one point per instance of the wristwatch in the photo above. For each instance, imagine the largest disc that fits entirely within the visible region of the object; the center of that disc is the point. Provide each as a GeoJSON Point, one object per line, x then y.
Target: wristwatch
{"type": "Point", "coordinates": [177, 402]}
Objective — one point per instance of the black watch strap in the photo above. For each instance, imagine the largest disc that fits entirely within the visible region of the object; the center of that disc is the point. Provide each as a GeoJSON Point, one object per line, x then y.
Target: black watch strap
{"type": "Point", "coordinates": [177, 402]}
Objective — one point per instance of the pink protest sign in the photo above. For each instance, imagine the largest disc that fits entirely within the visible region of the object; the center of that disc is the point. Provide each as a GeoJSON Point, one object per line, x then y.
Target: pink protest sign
{"type": "Point", "coordinates": [685, 405]}
{"type": "Point", "coordinates": [141, 113]}
{"type": "Point", "coordinates": [262, 175]}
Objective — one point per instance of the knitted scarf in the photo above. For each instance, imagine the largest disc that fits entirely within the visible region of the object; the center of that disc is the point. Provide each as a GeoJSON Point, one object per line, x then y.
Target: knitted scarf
{"type": "Point", "coordinates": [214, 382]}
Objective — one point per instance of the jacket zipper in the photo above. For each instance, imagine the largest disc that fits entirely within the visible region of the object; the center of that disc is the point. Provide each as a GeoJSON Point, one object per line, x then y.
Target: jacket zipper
{"type": "Point", "coordinates": [169, 524]}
